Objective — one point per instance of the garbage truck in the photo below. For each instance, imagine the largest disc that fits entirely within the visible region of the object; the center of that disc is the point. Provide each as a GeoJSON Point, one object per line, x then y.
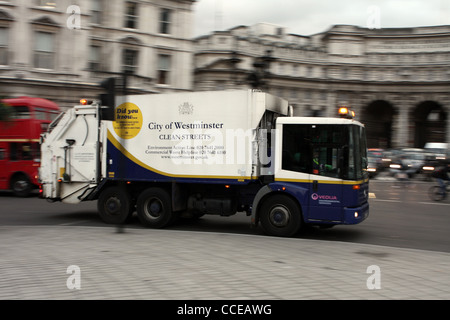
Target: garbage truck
{"type": "Point", "coordinates": [214, 152]}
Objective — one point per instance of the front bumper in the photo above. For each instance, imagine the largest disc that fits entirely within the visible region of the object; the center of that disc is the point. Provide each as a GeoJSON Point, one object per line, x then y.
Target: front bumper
{"type": "Point", "coordinates": [356, 215]}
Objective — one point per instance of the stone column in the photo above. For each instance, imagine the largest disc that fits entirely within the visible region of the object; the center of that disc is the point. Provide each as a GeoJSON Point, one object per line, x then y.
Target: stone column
{"type": "Point", "coordinates": [400, 125]}
{"type": "Point", "coordinates": [447, 136]}
{"type": "Point", "coordinates": [331, 104]}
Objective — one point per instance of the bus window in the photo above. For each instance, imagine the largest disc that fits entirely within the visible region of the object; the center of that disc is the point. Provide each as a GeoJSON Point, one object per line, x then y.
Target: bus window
{"type": "Point", "coordinates": [41, 114]}
{"type": "Point", "coordinates": [21, 112]}
{"type": "Point", "coordinates": [44, 126]}
{"type": "Point", "coordinates": [24, 151]}
{"type": "Point", "coordinates": [36, 151]}
{"type": "Point", "coordinates": [2, 154]}
{"type": "Point", "coordinates": [13, 152]}
{"type": "Point", "coordinates": [27, 152]}
{"type": "Point", "coordinates": [54, 115]}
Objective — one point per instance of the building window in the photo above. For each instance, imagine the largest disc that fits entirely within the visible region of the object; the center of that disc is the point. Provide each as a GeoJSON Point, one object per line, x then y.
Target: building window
{"type": "Point", "coordinates": [280, 32]}
{"type": "Point", "coordinates": [96, 11]}
{"type": "Point", "coordinates": [44, 50]}
{"type": "Point", "coordinates": [3, 46]}
{"type": "Point", "coordinates": [46, 3]}
{"type": "Point", "coordinates": [431, 75]}
{"type": "Point", "coordinates": [131, 16]}
{"type": "Point", "coordinates": [95, 58]}
{"type": "Point", "coordinates": [365, 75]}
{"type": "Point", "coordinates": [294, 93]}
{"type": "Point", "coordinates": [164, 21]}
{"type": "Point", "coordinates": [129, 61]}
{"type": "Point", "coordinates": [220, 85]}
{"type": "Point", "coordinates": [163, 68]}
{"type": "Point", "coordinates": [308, 95]}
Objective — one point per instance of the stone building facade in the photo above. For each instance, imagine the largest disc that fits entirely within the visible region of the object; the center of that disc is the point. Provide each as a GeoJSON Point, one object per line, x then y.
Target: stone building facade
{"type": "Point", "coordinates": [63, 49]}
{"type": "Point", "coordinates": [397, 80]}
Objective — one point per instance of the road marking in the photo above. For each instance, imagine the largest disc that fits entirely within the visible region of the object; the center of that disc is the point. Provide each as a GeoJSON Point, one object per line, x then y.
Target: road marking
{"type": "Point", "coordinates": [74, 223]}
{"type": "Point", "coordinates": [387, 200]}
{"type": "Point", "coordinates": [436, 203]}
{"type": "Point", "coordinates": [426, 203]}
{"type": "Point", "coordinates": [372, 195]}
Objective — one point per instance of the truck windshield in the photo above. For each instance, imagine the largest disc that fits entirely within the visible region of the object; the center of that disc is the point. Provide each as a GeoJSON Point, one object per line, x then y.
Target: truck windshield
{"type": "Point", "coordinates": [357, 154]}
{"type": "Point", "coordinates": [331, 150]}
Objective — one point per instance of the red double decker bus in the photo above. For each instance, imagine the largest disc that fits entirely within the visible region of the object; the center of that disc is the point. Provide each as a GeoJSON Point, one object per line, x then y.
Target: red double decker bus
{"type": "Point", "coordinates": [19, 142]}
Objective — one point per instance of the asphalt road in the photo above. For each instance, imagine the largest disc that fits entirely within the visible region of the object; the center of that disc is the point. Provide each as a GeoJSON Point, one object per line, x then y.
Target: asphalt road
{"type": "Point", "coordinates": [400, 216]}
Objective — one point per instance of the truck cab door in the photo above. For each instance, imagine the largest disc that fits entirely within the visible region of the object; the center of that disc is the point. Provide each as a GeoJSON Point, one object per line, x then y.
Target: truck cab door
{"type": "Point", "coordinates": [326, 190]}
{"type": "Point", "coordinates": [325, 202]}
{"type": "Point", "coordinates": [312, 155]}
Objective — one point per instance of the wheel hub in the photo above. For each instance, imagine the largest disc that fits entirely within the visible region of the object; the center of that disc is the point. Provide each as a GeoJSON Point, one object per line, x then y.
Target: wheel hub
{"type": "Point", "coordinates": [279, 216]}
{"type": "Point", "coordinates": [20, 185]}
{"type": "Point", "coordinates": [113, 206]}
{"type": "Point", "coordinates": [154, 208]}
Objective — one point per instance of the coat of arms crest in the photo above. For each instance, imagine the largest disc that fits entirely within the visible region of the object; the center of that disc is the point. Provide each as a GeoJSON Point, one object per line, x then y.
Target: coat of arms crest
{"type": "Point", "coordinates": [186, 108]}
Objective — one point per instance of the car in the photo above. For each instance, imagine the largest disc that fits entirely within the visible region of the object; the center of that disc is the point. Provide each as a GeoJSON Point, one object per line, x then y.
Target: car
{"type": "Point", "coordinates": [440, 151]}
{"type": "Point", "coordinates": [373, 166]}
{"type": "Point", "coordinates": [413, 158]}
{"type": "Point", "coordinates": [375, 159]}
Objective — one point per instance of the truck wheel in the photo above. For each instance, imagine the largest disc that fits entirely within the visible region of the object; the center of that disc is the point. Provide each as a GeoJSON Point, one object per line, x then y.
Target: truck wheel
{"type": "Point", "coordinates": [21, 186]}
{"type": "Point", "coordinates": [114, 205]}
{"type": "Point", "coordinates": [154, 208]}
{"type": "Point", "coordinates": [280, 216]}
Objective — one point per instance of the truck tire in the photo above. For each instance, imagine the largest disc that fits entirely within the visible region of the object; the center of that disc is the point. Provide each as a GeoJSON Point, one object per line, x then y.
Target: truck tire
{"type": "Point", "coordinates": [114, 205]}
{"type": "Point", "coordinates": [154, 208]}
{"type": "Point", "coordinates": [280, 216]}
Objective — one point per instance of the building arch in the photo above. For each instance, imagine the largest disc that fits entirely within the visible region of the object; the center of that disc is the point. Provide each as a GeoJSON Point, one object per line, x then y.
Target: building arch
{"type": "Point", "coordinates": [429, 120]}
{"type": "Point", "coordinates": [378, 117]}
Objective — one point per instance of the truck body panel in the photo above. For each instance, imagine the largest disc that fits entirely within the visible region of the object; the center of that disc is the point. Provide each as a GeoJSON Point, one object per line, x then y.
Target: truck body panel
{"type": "Point", "coordinates": [203, 135]}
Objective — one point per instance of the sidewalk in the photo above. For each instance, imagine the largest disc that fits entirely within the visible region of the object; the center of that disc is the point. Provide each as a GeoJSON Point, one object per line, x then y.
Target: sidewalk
{"type": "Point", "coordinates": [168, 264]}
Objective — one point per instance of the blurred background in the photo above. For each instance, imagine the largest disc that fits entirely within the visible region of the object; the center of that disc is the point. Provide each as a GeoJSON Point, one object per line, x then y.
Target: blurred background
{"type": "Point", "coordinates": [395, 77]}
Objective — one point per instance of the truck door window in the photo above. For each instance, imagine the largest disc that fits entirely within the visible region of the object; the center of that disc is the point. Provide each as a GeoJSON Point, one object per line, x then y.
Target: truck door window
{"type": "Point", "coordinates": [326, 141]}
{"type": "Point", "coordinates": [297, 151]}
{"type": "Point", "coordinates": [325, 161]}
{"type": "Point", "coordinates": [314, 149]}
